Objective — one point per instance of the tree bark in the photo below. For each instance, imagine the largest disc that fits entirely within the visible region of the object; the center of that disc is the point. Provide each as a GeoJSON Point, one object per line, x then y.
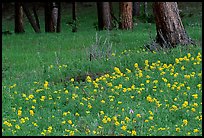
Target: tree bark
{"type": "Point", "coordinates": [106, 11]}
{"type": "Point", "coordinates": [136, 9]}
{"type": "Point", "coordinates": [30, 18]}
{"type": "Point", "coordinates": [104, 15]}
{"type": "Point", "coordinates": [169, 27]}
{"type": "Point", "coordinates": [54, 13]}
{"type": "Point", "coordinates": [18, 18]}
{"type": "Point", "coordinates": [125, 11]}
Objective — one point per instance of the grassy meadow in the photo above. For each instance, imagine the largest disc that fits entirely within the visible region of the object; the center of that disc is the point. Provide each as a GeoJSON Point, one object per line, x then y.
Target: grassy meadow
{"type": "Point", "coordinates": [51, 88]}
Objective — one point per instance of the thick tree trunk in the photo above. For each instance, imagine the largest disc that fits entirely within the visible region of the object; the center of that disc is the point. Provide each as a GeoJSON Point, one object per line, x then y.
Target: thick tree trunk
{"type": "Point", "coordinates": [74, 18]}
{"type": "Point", "coordinates": [104, 15]}
{"type": "Point", "coordinates": [136, 9]}
{"type": "Point", "coordinates": [18, 18]}
{"type": "Point", "coordinates": [30, 18]}
{"type": "Point", "coordinates": [169, 27]}
{"type": "Point", "coordinates": [125, 11]}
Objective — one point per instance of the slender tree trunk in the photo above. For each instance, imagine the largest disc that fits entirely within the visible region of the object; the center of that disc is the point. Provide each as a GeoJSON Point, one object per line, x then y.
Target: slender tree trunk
{"type": "Point", "coordinates": [169, 27]}
{"type": "Point", "coordinates": [54, 15]}
{"type": "Point", "coordinates": [49, 25]}
{"type": "Point", "coordinates": [59, 17]}
{"type": "Point", "coordinates": [36, 16]}
{"type": "Point", "coordinates": [30, 18]}
{"type": "Point", "coordinates": [74, 27]}
{"type": "Point", "coordinates": [145, 9]}
{"type": "Point", "coordinates": [125, 11]}
{"type": "Point", "coordinates": [106, 11]}
{"type": "Point", "coordinates": [136, 9]}
{"type": "Point", "coordinates": [18, 18]}
{"type": "Point", "coordinates": [99, 13]}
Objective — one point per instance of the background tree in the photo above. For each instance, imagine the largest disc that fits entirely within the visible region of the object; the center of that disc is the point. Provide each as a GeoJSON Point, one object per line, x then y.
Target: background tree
{"type": "Point", "coordinates": [125, 14]}
{"type": "Point", "coordinates": [59, 17]}
{"type": "Point", "coordinates": [52, 11]}
{"type": "Point", "coordinates": [29, 16]}
{"type": "Point", "coordinates": [36, 15]}
{"type": "Point", "coordinates": [74, 18]}
{"type": "Point", "coordinates": [18, 18]}
{"type": "Point", "coordinates": [49, 24]}
{"type": "Point", "coordinates": [136, 9]}
{"type": "Point", "coordinates": [104, 15]}
{"type": "Point", "coordinates": [169, 27]}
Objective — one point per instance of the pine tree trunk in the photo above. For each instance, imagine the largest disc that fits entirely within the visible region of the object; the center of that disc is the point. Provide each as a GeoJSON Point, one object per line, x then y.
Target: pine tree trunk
{"type": "Point", "coordinates": [125, 9]}
{"type": "Point", "coordinates": [104, 15]}
{"type": "Point", "coordinates": [54, 15]}
{"type": "Point", "coordinates": [169, 27]}
{"type": "Point", "coordinates": [107, 21]}
{"type": "Point", "coordinates": [18, 18]}
{"type": "Point", "coordinates": [136, 9]}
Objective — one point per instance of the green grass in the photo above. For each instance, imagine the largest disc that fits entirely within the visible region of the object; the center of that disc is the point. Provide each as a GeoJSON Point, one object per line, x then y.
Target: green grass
{"type": "Point", "coordinates": [38, 72]}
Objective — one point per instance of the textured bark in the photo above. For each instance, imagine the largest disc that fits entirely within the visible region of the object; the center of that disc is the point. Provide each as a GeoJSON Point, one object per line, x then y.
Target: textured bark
{"type": "Point", "coordinates": [107, 21]}
{"type": "Point", "coordinates": [18, 18]}
{"type": "Point", "coordinates": [125, 11]}
{"type": "Point", "coordinates": [30, 18]}
{"type": "Point", "coordinates": [136, 9]}
{"type": "Point", "coordinates": [169, 27]}
{"type": "Point", "coordinates": [54, 15]}
{"type": "Point", "coordinates": [104, 15]}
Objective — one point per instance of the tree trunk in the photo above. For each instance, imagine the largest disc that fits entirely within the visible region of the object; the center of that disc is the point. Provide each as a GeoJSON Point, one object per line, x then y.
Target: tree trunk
{"type": "Point", "coordinates": [136, 9]}
{"type": "Point", "coordinates": [106, 11]}
{"type": "Point", "coordinates": [99, 13]}
{"type": "Point", "coordinates": [54, 15]}
{"type": "Point", "coordinates": [169, 27]}
{"type": "Point", "coordinates": [49, 25]}
{"type": "Point", "coordinates": [104, 15]}
{"type": "Point", "coordinates": [74, 25]}
{"type": "Point", "coordinates": [145, 9]}
{"type": "Point", "coordinates": [36, 16]}
{"type": "Point", "coordinates": [18, 18]}
{"type": "Point", "coordinates": [30, 18]}
{"type": "Point", "coordinates": [125, 11]}
{"type": "Point", "coordinates": [59, 17]}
